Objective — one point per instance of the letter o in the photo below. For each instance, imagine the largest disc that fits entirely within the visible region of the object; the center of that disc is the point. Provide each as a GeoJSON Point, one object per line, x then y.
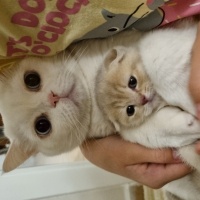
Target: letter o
{"type": "Point", "coordinates": [25, 19]}
{"type": "Point", "coordinates": [41, 49]}
{"type": "Point", "coordinates": [37, 9]}
{"type": "Point", "coordinates": [50, 18]}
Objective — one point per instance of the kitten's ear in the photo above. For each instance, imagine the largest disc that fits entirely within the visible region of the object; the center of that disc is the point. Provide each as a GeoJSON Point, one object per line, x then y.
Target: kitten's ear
{"type": "Point", "coordinates": [117, 127]}
{"type": "Point", "coordinates": [15, 156]}
{"type": "Point", "coordinates": [115, 55]}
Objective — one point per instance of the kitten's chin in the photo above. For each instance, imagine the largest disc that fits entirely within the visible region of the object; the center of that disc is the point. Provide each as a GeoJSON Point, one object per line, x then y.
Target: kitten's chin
{"type": "Point", "coordinates": [154, 103]}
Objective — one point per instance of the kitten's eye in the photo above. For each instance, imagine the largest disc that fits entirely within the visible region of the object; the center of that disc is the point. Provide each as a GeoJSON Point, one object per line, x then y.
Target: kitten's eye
{"type": "Point", "coordinates": [42, 126]}
{"type": "Point", "coordinates": [132, 82]}
{"type": "Point", "coordinates": [32, 80]}
{"type": "Point", "coordinates": [130, 110]}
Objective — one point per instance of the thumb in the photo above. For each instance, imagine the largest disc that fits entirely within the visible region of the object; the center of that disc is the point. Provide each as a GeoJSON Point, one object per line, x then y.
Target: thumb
{"type": "Point", "coordinates": [194, 81]}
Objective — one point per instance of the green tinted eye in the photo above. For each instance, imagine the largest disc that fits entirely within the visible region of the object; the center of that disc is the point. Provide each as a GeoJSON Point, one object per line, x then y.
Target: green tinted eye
{"type": "Point", "coordinates": [32, 80]}
{"type": "Point", "coordinates": [42, 126]}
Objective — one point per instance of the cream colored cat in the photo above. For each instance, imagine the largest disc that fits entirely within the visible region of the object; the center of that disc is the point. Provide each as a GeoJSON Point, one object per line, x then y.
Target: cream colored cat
{"type": "Point", "coordinates": [48, 104]}
{"type": "Point", "coordinates": [147, 99]}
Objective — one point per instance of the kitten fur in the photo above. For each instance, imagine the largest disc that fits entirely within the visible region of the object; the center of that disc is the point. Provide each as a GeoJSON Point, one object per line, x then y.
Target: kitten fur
{"type": "Point", "coordinates": [65, 97]}
{"type": "Point", "coordinates": [162, 112]}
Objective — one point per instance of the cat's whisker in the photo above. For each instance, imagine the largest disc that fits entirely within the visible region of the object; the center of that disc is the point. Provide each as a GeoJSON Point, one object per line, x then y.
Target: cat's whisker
{"type": "Point", "coordinates": [71, 124]}
{"type": "Point", "coordinates": [81, 52]}
{"type": "Point", "coordinates": [72, 120]}
{"type": "Point", "coordinates": [77, 128]}
{"type": "Point", "coordinates": [71, 66]}
{"type": "Point", "coordinates": [80, 127]}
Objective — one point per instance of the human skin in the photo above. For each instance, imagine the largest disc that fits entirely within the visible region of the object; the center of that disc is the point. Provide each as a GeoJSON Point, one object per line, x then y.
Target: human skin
{"type": "Point", "coordinates": [150, 167]}
{"type": "Point", "coordinates": [194, 81]}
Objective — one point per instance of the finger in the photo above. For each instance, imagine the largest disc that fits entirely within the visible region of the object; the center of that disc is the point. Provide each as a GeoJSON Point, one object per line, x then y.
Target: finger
{"type": "Point", "coordinates": [160, 156]}
{"type": "Point", "coordinates": [194, 81]}
{"type": "Point", "coordinates": [160, 174]}
{"type": "Point", "coordinates": [116, 149]}
{"type": "Point", "coordinates": [171, 172]}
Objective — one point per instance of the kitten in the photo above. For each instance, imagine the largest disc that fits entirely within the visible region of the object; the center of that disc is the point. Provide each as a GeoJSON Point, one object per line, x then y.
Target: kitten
{"type": "Point", "coordinates": [48, 104]}
{"type": "Point", "coordinates": [147, 99]}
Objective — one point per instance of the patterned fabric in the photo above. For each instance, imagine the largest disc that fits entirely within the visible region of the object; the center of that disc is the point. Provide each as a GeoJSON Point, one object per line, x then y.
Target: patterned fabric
{"type": "Point", "coordinates": [44, 28]}
{"type": "Point", "coordinates": [177, 9]}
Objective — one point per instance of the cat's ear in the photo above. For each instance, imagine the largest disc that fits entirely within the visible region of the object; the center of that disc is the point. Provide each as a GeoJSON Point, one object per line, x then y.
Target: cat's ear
{"type": "Point", "coordinates": [15, 156]}
{"type": "Point", "coordinates": [117, 127]}
{"type": "Point", "coordinates": [116, 55]}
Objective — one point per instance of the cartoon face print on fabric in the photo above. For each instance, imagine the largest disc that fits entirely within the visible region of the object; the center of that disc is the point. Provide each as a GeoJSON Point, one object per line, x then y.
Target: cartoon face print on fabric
{"type": "Point", "coordinates": [144, 17]}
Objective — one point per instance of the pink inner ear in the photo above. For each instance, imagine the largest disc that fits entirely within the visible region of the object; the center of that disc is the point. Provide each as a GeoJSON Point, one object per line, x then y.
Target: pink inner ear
{"type": "Point", "coordinates": [15, 156]}
{"type": "Point", "coordinates": [114, 55]}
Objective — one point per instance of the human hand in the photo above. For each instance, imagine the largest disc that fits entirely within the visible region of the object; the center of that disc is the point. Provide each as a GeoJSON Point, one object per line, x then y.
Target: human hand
{"type": "Point", "coordinates": [150, 167]}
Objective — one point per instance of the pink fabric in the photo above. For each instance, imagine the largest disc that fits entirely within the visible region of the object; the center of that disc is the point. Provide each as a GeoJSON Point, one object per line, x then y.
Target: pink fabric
{"type": "Point", "coordinates": [177, 9]}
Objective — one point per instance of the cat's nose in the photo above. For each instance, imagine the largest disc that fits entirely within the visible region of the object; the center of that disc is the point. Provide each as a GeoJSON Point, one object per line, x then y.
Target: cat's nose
{"type": "Point", "coordinates": [53, 99]}
{"type": "Point", "coordinates": [144, 100]}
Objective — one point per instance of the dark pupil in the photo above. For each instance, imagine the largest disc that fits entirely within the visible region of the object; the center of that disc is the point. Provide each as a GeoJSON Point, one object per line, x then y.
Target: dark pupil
{"type": "Point", "coordinates": [130, 110]}
{"type": "Point", "coordinates": [32, 80]}
{"type": "Point", "coordinates": [43, 126]}
{"type": "Point", "coordinates": [132, 82]}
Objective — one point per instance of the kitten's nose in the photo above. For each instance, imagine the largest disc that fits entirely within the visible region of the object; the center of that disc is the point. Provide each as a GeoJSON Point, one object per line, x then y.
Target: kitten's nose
{"type": "Point", "coordinates": [144, 100]}
{"type": "Point", "coordinates": [53, 99]}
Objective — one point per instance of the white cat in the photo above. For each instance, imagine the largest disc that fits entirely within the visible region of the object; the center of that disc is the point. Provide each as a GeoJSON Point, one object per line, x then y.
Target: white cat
{"type": "Point", "coordinates": [146, 97]}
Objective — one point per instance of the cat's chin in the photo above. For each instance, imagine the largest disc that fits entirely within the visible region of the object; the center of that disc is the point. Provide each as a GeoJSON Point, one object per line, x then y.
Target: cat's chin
{"type": "Point", "coordinates": [154, 102]}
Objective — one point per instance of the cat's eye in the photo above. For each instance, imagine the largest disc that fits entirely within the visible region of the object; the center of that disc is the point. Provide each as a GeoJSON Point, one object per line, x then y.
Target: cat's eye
{"type": "Point", "coordinates": [32, 80]}
{"type": "Point", "coordinates": [130, 110]}
{"type": "Point", "coordinates": [42, 126]}
{"type": "Point", "coordinates": [132, 82]}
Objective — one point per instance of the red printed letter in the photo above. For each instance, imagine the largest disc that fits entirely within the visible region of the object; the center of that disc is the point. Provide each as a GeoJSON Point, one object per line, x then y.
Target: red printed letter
{"type": "Point", "coordinates": [43, 35]}
{"type": "Point", "coordinates": [39, 5]}
{"type": "Point", "coordinates": [76, 7]}
{"type": "Point", "coordinates": [13, 48]}
{"type": "Point", "coordinates": [58, 30]}
{"type": "Point", "coordinates": [25, 19]}
{"type": "Point", "coordinates": [41, 49]}
{"type": "Point", "coordinates": [57, 19]}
